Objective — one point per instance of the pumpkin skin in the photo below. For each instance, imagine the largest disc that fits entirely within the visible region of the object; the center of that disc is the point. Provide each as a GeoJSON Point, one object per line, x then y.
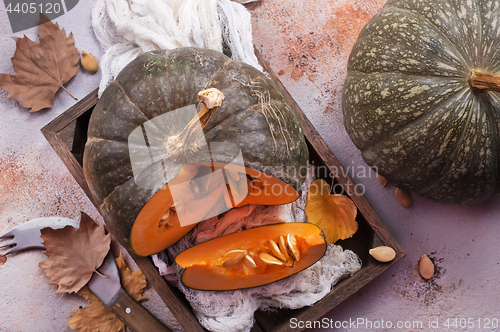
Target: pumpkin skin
{"type": "Point", "coordinates": [409, 106]}
{"type": "Point", "coordinates": [202, 265]}
{"type": "Point", "coordinates": [161, 81]}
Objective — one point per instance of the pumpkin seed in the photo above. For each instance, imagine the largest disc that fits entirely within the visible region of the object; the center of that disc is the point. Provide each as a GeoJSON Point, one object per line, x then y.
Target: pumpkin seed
{"type": "Point", "coordinates": [171, 209]}
{"type": "Point", "coordinates": [282, 246]}
{"type": "Point", "coordinates": [403, 197]}
{"type": "Point", "coordinates": [383, 181]}
{"type": "Point", "coordinates": [269, 259]}
{"type": "Point", "coordinates": [89, 62]}
{"type": "Point", "coordinates": [276, 251]}
{"type": "Point", "coordinates": [383, 253]}
{"type": "Point", "coordinates": [165, 215]}
{"type": "Point", "coordinates": [249, 262]}
{"type": "Point", "coordinates": [232, 257]}
{"type": "Point", "coordinates": [289, 260]}
{"type": "Point", "coordinates": [426, 267]}
{"type": "Point", "coordinates": [293, 246]}
{"type": "Point", "coordinates": [234, 175]}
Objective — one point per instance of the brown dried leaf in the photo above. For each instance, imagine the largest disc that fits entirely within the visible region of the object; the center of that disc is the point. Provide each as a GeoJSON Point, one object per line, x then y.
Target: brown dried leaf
{"type": "Point", "coordinates": [94, 317]}
{"type": "Point", "coordinates": [41, 69]}
{"type": "Point", "coordinates": [97, 316]}
{"type": "Point", "coordinates": [334, 214]}
{"type": "Point", "coordinates": [74, 253]}
{"type": "Point", "coordinates": [133, 282]}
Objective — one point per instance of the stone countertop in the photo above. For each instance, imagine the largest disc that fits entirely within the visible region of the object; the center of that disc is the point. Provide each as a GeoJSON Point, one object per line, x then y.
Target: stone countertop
{"type": "Point", "coordinates": [307, 43]}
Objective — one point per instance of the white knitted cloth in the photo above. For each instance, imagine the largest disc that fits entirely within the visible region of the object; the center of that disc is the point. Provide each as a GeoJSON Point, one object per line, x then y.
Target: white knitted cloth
{"type": "Point", "coordinates": [127, 28]}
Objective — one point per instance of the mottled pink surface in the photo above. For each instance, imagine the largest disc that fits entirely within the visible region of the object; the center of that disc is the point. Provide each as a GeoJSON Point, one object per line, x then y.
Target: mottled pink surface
{"type": "Point", "coordinates": [307, 44]}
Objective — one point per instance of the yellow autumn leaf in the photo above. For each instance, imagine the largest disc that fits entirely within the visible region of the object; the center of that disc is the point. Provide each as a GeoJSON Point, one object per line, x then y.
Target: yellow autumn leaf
{"type": "Point", "coordinates": [96, 316]}
{"type": "Point", "coordinates": [334, 214]}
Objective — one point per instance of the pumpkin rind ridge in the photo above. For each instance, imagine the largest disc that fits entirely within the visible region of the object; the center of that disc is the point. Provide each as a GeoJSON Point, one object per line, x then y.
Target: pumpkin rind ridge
{"type": "Point", "coordinates": [408, 105]}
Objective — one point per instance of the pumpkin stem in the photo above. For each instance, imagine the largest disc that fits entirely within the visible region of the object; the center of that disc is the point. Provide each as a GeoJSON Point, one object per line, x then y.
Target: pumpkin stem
{"type": "Point", "coordinates": [184, 145]}
{"type": "Point", "coordinates": [484, 81]}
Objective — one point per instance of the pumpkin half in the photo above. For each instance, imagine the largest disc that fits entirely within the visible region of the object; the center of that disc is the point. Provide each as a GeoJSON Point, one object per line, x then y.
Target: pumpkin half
{"type": "Point", "coordinates": [421, 100]}
{"type": "Point", "coordinates": [253, 257]}
{"type": "Point", "coordinates": [149, 197]}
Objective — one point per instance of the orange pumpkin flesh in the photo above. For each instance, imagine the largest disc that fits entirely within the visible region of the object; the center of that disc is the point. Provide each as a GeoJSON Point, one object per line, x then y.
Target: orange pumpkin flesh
{"type": "Point", "coordinates": [150, 234]}
{"type": "Point", "coordinates": [203, 266]}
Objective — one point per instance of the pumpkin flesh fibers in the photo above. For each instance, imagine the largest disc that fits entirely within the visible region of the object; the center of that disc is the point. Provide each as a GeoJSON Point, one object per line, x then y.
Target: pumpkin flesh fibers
{"type": "Point", "coordinates": [203, 266]}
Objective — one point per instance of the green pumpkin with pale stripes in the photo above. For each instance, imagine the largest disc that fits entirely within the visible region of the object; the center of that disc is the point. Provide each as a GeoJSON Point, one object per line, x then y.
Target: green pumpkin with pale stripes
{"type": "Point", "coordinates": [421, 100]}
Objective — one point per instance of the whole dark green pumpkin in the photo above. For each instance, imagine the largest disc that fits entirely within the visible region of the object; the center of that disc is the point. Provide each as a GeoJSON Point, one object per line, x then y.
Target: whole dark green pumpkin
{"type": "Point", "coordinates": [254, 115]}
{"type": "Point", "coordinates": [411, 106]}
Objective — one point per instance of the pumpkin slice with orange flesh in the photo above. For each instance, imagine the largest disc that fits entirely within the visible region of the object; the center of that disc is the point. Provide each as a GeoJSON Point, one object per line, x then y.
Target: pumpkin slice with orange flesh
{"type": "Point", "coordinates": [247, 259]}
{"type": "Point", "coordinates": [157, 226]}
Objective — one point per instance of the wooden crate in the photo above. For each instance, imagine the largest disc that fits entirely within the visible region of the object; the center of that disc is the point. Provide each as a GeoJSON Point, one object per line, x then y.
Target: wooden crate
{"type": "Point", "coordinates": [68, 133]}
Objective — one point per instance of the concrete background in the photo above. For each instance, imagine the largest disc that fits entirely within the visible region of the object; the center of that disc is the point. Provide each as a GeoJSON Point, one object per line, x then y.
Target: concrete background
{"type": "Point", "coordinates": [307, 43]}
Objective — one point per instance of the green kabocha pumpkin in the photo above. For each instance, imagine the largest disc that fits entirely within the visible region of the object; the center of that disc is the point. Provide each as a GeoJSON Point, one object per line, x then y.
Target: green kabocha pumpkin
{"type": "Point", "coordinates": [156, 165]}
{"type": "Point", "coordinates": [421, 100]}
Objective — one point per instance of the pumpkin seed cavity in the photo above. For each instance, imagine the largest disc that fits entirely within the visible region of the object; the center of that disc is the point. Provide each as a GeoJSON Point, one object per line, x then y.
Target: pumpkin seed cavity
{"type": "Point", "coordinates": [167, 219]}
{"type": "Point", "coordinates": [276, 251]}
{"type": "Point", "coordinates": [285, 252]}
{"type": "Point", "coordinates": [255, 185]}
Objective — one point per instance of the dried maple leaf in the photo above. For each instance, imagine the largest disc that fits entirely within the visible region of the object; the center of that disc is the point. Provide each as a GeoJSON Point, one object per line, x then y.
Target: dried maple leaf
{"type": "Point", "coordinates": [334, 214]}
{"type": "Point", "coordinates": [41, 69]}
{"type": "Point", "coordinates": [74, 253]}
{"type": "Point", "coordinates": [97, 316]}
